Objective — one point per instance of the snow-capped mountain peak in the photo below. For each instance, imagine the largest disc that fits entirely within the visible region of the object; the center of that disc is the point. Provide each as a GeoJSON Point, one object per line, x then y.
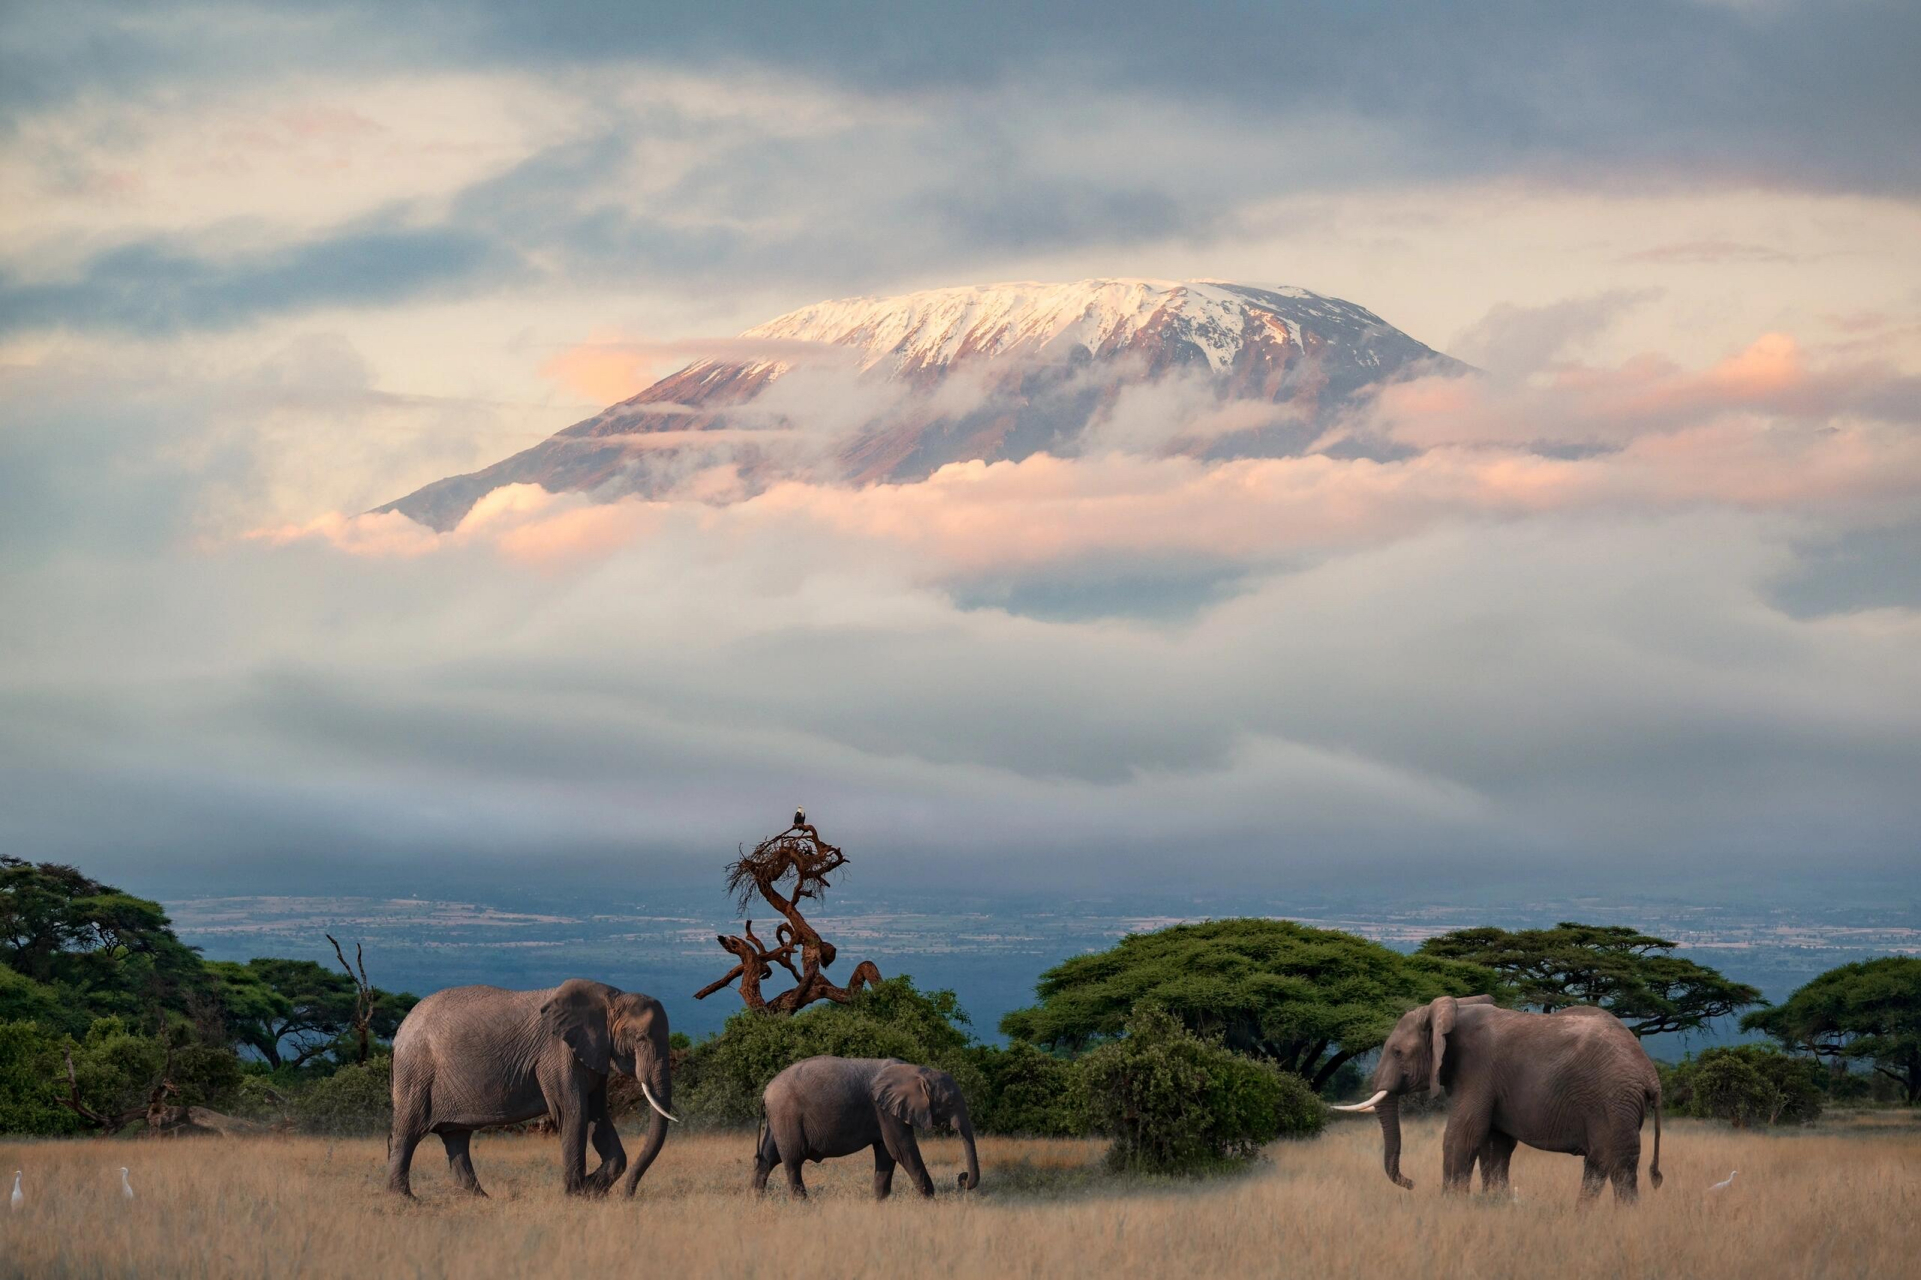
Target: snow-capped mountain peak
{"type": "Point", "coordinates": [1050, 367]}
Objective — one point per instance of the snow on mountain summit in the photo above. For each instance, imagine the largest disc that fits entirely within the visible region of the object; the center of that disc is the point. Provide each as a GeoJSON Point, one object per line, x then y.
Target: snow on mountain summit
{"type": "Point", "coordinates": [1056, 368]}
{"type": "Point", "coordinates": [939, 326]}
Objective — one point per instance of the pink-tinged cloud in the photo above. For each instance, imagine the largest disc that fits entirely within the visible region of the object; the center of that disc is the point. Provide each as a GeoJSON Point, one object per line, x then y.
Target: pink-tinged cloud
{"type": "Point", "coordinates": [391, 534]}
{"type": "Point", "coordinates": [1610, 406]}
{"type": "Point", "coordinates": [1743, 434]}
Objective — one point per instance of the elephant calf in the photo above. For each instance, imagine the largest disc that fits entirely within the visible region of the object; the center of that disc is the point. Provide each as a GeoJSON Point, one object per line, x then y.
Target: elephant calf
{"type": "Point", "coordinates": [1576, 1081]}
{"type": "Point", "coordinates": [471, 1057]}
{"type": "Point", "coordinates": [823, 1107]}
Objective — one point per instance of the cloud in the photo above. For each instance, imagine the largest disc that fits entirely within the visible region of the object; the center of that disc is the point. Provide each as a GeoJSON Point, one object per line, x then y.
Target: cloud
{"type": "Point", "coordinates": [1797, 93]}
{"type": "Point", "coordinates": [1512, 339]}
{"type": "Point", "coordinates": [1605, 407]}
{"type": "Point", "coordinates": [1710, 252]}
{"type": "Point", "coordinates": [1763, 430]}
{"type": "Point", "coordinates": [157, 287]}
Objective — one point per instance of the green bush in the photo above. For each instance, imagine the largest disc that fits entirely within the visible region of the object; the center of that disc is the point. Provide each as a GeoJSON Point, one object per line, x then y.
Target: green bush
{"type": "Point", "coordinates": [1745, 1085]}
{"type": "Point", "coordinates": [355, 1100]}
{"type": "Point", "coordinates": [26, 1090]}
{"type": "Point", "coordinates": [1173, 1102]}
{"type": "Point", "coordinates": [721, 1079]}
{"type": "Point", "coordinates": [1028, 1092]}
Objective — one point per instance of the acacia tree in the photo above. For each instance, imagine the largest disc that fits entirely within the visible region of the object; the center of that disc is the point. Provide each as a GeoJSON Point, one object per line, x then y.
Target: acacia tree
{"type": "Point", "coordinates": [96, 950]}
{"type": "Point", "coordinates": [1868, 1011]}
{"type": "Point", "coordinates": [784, 870]}
{"type": "Point", "coordinates": [293, 1011]}
{"type": "Point", "coordinates": [1309, 1000]}
{"type": "Point", "coordinates": [1621, 969]}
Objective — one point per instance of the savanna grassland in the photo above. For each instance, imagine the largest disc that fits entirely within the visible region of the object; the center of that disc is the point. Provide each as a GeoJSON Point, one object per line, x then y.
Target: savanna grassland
{"type": "Point", "coordinates": [1840, 1199]}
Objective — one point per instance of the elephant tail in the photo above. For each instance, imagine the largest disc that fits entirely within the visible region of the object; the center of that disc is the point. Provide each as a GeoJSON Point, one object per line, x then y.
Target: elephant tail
{"type": "Point", "coordinates": [1654, 1165]}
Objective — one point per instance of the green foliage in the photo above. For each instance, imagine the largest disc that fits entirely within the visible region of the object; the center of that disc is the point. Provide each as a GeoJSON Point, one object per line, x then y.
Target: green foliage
{"type": "Point", "coordinates": [357, 1099]}
{"type": "Point", "coordinates": [721, 1080]}
{"type": "Point", "coordinates": [1308, 1000]}
{"type": "Point", "coordinates": [1622, 970]}
{"type": "Point", "coordinates": [24, 1000]}
{"type": "Point", "coordinates": [293, 1011]}
{"type": "Point", "coordinates": [1744, 1085]}
{"type": "Point", "coordinates": [1869, 1011]}
{"type": "Point", "coordinates": [1029, 1092]}
{"type": "Point", "coordinates": [101, 952]}
{"type": "Point", "coordinates": [1175, 1103]}
{"type": "Point", "coordinates": [26, 1092]}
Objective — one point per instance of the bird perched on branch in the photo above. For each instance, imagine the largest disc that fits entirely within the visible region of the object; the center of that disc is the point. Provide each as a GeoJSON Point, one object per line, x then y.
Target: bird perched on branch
{"type": "Point", "coordinates": [800, 816]}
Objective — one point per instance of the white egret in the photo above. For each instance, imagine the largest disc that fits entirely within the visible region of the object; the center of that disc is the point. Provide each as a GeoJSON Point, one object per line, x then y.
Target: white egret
{"type": "Point", "coordinates": [17, 1199]}
{"type": "Point", "coordinates": [1725, 1183]}
{"type": "Point", "coordinates": [126, 1188]}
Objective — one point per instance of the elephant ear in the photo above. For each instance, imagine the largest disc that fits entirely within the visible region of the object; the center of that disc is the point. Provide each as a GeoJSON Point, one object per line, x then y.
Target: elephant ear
{"type": "Point", "coordinates": [577, 1014]}
{"type": "Point", "coordinates": [904, 1092]}
{"type": "Point", "coordinates": [1441, 1018]}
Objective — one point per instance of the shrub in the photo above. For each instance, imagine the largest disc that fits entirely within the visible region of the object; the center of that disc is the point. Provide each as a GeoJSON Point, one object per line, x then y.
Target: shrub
{"type": "Point", "coordinates": [1732, 1090]}
{"type": "Point", "coordinates": [721, 1079]}
{"type": "Point", "coordinates": [1744, 1085]}
{"type": "Point", "coordinates": [1173, 1102]}
{"type": "Point", "coordinates": [26, 1090]}
{"type": "Point", "coordinates": [1028, 1092]}
{"type": "Point", "coordinates": [355, 1100]}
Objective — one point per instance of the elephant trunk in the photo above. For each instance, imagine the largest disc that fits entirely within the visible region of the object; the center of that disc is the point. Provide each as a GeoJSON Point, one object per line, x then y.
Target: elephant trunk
{"type": "Point", "coordinates": [970, 1180]}
{"type": "Point", "coordinates": [656, 1128]}
{"type": "Point", "coordinates": [1389, 1110]}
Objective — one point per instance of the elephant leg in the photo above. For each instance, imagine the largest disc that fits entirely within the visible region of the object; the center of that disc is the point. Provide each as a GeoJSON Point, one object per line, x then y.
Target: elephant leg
{"type": "Point", "coordinates": [1594, 1176]}
{"type": "Point", "coordinates": [766, 1156]}
{"type": "Point", "coordinates": [459, 1162]}
{"type": "Point", "coordinates": [787, 1142]}
{"type": "Point", "coordinates": [902, 1146]}
{"type": "Point", "coordinates": [795, 1186]}
{"type": "Point", "coordinates": [1496, 1150]}
{"type": "Point", "coordinates": [1461, 1143]}
{"type": "Point", "coordinates": [613, 1156]}
{"type": "Point", "coordinates": [409, 1127]}
{"type": "Point", "coordinates": [883, 1171]}
{"type": "Point", "coordinates": [573, 1149]}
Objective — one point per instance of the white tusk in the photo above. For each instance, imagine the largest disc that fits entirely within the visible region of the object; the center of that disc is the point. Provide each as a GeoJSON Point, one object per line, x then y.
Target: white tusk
{"type": "Point", "coordinates": [655, 1105]}
{"type": "Point", "coordinates": [1362, 1106]}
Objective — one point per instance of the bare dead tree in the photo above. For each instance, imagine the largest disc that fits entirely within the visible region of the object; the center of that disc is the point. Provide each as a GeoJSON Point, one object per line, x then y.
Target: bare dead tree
{"type": "Point", "coordinates": [365, 998]}
{"type": "Point", "coordinates": [107, 1122]}
{"type": "Point", "coordinates": [111, 1122]}
{"type": "Point", "coordinates": [783, 870]}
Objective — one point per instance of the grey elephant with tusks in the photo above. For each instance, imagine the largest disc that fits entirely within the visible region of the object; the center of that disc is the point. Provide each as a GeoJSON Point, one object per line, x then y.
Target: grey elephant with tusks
{"type": "Point", "coordinates": [1576, 1081]}
{"type": "Point", "coordinates": [470, 1057]}
{"type": "Point", "coordinates": [825, 1107]}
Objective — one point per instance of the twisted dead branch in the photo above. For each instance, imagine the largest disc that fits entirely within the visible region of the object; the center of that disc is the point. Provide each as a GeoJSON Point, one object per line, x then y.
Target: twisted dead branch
{"type": "Point", "coordinates": [783, 870]}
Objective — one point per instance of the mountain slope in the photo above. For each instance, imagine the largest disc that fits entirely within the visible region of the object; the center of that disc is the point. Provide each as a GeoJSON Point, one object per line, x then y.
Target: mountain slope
{"type": "Point", "coordinates": [860, 390]}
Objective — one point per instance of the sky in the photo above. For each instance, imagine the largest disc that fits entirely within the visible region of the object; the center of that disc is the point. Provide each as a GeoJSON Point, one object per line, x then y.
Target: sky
{"type": "Point", "coordinates": [1642, 605]}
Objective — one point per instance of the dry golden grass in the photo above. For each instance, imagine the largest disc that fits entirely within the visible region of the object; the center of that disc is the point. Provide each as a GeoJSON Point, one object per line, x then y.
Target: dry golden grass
{"type": "Point", "coordinates": [1839, 1201]}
